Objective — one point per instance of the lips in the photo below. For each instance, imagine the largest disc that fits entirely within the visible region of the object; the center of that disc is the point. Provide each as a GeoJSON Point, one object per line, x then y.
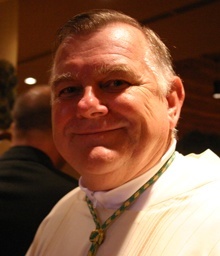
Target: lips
{"type": "Point", "coordinates": [92, 127]}
{"type": "Point", "coordinates": [98, 131]}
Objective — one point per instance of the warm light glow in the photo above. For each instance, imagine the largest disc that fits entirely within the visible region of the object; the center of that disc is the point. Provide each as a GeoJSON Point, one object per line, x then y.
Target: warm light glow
{"type": "Point", "coordinates": [216, 95]}
{"type": "Point", "coordinates": [30, 80]}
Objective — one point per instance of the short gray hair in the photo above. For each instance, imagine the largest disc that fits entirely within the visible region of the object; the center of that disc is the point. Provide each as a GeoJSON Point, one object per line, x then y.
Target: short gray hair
{"type": "Point", "coordinates": [158, 58]}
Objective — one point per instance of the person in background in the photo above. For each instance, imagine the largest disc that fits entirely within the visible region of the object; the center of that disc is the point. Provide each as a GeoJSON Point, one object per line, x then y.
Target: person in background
{"type": "Point", "coordinates": [8, 87]}
{"type": "Point", "coordinates": [116, 101]}
{"type": "Point", "coordinates": [30, 181]}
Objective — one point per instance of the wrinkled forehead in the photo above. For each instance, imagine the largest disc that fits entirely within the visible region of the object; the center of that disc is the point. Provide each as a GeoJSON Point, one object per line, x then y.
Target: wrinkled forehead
{"type": "Point", "coordinates": [112, 50]}
{"type": "Point", "coordinates": [113, 32]}
{"type": "Point", "coordinates": [114, 38]}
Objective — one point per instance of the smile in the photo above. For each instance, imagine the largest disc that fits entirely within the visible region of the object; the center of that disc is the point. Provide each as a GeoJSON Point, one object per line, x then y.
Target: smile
{"type": "Point", "coordinates": [97, 132]}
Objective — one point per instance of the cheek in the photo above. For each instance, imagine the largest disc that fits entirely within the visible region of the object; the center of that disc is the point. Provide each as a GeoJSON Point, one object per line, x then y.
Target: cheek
{"type": "Point", "coordinates": [60, 116]}
{"type": "Point", "coordinates": [155, 123]}
{"type": "Point", "coordinates": [56, 117]}
{"type": "Point", "coordinates": [61, 113]}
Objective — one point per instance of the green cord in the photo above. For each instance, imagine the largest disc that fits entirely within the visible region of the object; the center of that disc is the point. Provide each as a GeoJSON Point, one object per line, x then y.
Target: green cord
{"type": "Point", "coordinates": [97, 236]}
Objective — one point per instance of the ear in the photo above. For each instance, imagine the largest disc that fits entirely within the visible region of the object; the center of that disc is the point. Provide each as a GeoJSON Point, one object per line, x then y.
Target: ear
{"type": "Point", "coordinates": [175, 99]}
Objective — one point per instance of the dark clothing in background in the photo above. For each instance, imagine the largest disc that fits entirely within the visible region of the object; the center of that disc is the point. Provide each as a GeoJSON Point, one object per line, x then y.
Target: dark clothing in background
{"type": "Point", "coordinates": [30, 186]}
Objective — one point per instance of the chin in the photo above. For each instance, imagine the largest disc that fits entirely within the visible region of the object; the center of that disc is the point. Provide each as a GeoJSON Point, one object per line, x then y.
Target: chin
{"type": "Point", "coordinates": [101, 154]}
{"type": "Point", "coordinates": [96, 159]}
{"type": "Point", "coordinates": [98, 164]}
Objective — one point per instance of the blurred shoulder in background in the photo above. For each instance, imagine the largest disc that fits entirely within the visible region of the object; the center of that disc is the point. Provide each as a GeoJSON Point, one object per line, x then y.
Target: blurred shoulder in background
{"type": "Point", "coordinates": [31, 182]}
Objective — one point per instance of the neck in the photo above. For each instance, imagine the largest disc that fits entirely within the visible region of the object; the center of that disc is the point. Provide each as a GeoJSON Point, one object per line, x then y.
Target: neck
{"type": "Point", "coordinates": [41, 140]}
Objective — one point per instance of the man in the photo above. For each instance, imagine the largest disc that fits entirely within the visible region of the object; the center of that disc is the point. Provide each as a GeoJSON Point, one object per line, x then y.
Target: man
{"type": "Point", "coordinates": [116, 102]}
{"type": "Point", "coordinates": [30, 184]}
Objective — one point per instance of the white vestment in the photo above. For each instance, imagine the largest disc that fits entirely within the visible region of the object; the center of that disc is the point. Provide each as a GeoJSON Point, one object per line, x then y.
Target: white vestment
{"type": "Point", "coordinates": [179, 215]}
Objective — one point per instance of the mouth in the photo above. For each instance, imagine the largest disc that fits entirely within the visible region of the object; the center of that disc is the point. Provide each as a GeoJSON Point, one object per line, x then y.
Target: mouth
{"type": "Point", "coordinates": [98, 132]}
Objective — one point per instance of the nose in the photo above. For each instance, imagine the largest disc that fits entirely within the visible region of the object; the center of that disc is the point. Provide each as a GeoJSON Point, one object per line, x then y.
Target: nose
{"type": "Point", "coordinates": [90, 105]}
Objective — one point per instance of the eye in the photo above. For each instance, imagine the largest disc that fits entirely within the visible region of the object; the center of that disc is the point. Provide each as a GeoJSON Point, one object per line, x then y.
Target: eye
{"type": "Point", "coordinates": [114, 85]}
{"type": "Point", "coordinates": [70, 91]}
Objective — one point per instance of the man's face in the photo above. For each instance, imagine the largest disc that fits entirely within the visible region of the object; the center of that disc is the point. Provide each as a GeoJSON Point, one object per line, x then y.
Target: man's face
{"type": "Point", "coordinates": [110, 121]}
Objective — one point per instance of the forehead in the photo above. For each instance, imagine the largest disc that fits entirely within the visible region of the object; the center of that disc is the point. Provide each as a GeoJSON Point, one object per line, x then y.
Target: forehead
{"type": "Point", "coordinates": [113, 38]}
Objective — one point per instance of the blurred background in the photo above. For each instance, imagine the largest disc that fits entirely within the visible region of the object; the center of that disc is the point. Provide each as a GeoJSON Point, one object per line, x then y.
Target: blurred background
{"type": "Point", "coordinates": [190, 28]}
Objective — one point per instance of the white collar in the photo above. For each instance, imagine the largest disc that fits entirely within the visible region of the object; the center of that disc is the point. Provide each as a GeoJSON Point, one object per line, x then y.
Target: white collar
{"type": "Point", "coordinates": [113, 199]}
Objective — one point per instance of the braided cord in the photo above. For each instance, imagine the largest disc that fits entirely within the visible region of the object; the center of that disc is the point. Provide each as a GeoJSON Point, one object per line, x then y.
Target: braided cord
{"type": "Point", "coordinates": [97, 236]}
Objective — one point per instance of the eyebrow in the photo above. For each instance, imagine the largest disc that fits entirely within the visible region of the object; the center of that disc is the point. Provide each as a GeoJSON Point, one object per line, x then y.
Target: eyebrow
{"type": "Point", "coordinates": [121, 68]}
{"type": "Point", "coordinates": [68, 76]}
{"type": "Point", "coordinates": [99, 70]}
{"type": "Point", "coordinates": [108, 69]}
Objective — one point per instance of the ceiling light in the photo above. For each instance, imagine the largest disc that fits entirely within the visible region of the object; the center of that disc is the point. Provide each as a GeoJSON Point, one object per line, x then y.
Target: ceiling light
{"type": "Point", "coordinates": [216, 94]}
{"type": "Point", "coordinates": [30, 80]}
